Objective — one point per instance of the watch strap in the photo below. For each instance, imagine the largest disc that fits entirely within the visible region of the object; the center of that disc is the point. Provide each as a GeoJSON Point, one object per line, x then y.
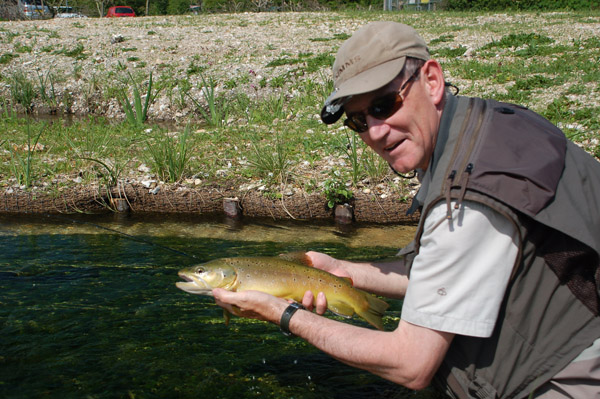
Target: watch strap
{"type": "Point", "coordinates": [284, 324]}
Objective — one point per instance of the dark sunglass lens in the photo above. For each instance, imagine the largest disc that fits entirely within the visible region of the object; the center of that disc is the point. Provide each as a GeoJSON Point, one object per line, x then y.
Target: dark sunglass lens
{"type": "Point", "coordinates": [357, 123]}
{"type": "Point", "coordinates": [383, 107]}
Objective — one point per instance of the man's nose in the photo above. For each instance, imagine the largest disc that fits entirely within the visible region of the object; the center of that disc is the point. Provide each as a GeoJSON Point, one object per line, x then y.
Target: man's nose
{"type": "Point", "coordinates": [377, 128]}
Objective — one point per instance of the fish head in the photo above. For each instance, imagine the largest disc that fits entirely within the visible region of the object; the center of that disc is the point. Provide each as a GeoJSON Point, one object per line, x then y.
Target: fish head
{"type": "Point", "coordinates": [201, 279]}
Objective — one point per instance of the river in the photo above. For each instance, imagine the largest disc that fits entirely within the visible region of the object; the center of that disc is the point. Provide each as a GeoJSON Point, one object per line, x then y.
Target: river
{"type": "Point", "coordinates": [89, 309]}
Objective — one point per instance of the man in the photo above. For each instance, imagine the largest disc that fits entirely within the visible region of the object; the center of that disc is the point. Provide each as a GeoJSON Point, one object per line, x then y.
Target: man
{"type": "Point", "coordinates": [503, 298]}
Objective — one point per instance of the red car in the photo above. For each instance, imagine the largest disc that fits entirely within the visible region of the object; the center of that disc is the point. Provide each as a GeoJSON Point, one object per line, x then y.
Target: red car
{"type": "Point", "coordinates": [120, 11]}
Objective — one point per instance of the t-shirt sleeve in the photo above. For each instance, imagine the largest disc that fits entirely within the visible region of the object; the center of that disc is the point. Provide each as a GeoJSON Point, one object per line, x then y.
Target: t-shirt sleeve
{"type": "Point", "coordinates": [458, 279]}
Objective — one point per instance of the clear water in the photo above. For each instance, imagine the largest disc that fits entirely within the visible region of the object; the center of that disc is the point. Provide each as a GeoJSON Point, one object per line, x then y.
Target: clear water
{"type": "Point", "coordinates": [86, 312]}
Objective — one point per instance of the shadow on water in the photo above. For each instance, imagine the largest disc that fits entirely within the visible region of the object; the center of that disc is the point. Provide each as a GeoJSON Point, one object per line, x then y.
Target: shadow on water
{"type": "Point", "coordinates": [88, 312]}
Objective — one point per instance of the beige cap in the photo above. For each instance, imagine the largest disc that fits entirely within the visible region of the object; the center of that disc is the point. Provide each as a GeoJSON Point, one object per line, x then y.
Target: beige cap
{"type": "Point", "coordinates": [370, 59]}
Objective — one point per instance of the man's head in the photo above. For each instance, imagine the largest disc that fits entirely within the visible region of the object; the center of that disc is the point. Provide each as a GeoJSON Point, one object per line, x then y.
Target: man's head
{"type": "Point", "coordinates": [391, 92]}
{"type": "Point", "coordinates": [370, 59]}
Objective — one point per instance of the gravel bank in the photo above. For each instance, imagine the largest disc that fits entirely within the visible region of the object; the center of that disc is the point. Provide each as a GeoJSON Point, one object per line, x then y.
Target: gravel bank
{"type": "Point", "coordinates": [90, 61]}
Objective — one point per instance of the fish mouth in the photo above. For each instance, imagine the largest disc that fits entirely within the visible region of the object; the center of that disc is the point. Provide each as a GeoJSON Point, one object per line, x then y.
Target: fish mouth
{"type": "Point", "coordinates": [185, 277]}
{"type": "Point", "coordinates": [193, 285]}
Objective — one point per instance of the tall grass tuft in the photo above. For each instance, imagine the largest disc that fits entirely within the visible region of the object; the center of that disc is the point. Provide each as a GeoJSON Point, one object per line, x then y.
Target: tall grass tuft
{"type": "Point", "coordinates": [216, 112]}
{"type": "Point", "coordinates": [170, 156]}
{"type": "Point", "coordinates": [22, 164]}
{"type": "Point", "coordinates": [375, 167]}
{"type": "Point", "coordinates": [135, 112]}
{"type": "Point", "coordinates": [269, 162]}
{"type": "Point", "coordinates": [353, 147]}
{"type": "Point", "coordinates": [113, 171]}
{"type": "Point", "coordinates": [46, 90]}
{"type": "Point", "coordinates": [22, 90]}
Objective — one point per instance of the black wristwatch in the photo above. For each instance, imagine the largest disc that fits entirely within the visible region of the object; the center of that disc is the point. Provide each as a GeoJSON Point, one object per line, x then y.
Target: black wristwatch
{"type": "Point", "coordinates": [284, 324]}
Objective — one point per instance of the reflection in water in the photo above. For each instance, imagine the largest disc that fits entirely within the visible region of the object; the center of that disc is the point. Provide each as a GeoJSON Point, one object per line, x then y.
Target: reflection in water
{"type": "Point", "coordinates": [87, 312]}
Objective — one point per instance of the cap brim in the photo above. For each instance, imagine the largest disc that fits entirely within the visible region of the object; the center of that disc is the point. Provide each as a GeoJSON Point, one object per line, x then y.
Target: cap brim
{"type": "Point", "coordinates": [367, 81]}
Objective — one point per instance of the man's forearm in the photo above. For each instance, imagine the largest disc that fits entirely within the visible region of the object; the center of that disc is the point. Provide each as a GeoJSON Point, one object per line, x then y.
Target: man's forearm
{"type": "Point", "coordinates": [405, 356]}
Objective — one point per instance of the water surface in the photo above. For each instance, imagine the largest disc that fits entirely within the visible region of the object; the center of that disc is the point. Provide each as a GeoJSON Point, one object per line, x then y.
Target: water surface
{"type": "Point", "coordinates": [86, 312]}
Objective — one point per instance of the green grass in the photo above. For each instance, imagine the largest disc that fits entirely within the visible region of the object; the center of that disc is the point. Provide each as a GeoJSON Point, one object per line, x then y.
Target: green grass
{"type": "Point", "coordinates": [76, 52]}
{"type": "Point", "coordinates": [7, 57]}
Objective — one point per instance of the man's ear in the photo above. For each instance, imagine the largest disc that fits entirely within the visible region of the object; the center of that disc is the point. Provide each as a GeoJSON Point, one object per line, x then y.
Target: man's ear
{"type": "Point", "coordinates": [434, 78]}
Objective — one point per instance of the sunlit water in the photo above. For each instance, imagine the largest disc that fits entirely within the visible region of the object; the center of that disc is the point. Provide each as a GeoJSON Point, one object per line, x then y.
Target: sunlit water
{"type": "Point", "coordinates": [86, 312]}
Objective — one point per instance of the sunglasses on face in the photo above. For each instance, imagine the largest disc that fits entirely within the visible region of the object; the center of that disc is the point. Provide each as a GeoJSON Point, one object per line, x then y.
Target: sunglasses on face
{"type": "Point", "coordinates": [380, 108]}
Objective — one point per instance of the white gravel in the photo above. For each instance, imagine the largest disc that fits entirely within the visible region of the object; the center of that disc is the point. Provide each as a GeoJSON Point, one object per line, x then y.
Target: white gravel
{"type": "Point", "coordinates": [234, 49]}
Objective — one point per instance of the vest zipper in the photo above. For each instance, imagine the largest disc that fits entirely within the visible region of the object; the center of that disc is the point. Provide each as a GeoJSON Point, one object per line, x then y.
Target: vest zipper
{"type": "Point", "coordinates": [466, 152]}
{"type": "Point", "coordinates": [464, 148]}
{"type": "Point", "coordinates": [464, 180]}
{"type": "Point", "coordinates": [449, 182]}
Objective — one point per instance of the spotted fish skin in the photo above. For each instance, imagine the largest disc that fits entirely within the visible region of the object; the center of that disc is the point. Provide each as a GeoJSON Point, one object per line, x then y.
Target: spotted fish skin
{"type": "Point", "coordinates": [284, 277]}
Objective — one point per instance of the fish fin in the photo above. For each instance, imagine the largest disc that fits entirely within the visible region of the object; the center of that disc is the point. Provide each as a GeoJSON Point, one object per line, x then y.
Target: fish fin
{"type": "Point", "coordinates": [348, 280]}
{"type": "Point", "coordinates": [297, 257]}
{"type": "Point", "coordinates": [375, 311]}
{"type": "Point", "coordinates": [340, 308]}
{"type": "Point", "coordinates": [226, 316]}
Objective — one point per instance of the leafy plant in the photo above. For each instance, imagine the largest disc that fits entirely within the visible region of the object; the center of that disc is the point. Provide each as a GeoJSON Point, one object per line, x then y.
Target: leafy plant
{"type": "Point", "coordinates": [335, 190]}
{"type": "Point", "coordinates": [265, 111]}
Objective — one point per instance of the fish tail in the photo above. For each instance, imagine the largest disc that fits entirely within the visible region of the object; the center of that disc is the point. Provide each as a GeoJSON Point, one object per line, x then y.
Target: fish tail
{"type": "Point", "coordinates": [375, 311]}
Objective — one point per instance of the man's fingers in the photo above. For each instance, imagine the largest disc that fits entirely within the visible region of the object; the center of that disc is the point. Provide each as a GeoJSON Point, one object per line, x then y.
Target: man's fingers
{"type": "Point", "coordinates": [307, 300]}
{"type": "Point", "coordinates": [321, 303]}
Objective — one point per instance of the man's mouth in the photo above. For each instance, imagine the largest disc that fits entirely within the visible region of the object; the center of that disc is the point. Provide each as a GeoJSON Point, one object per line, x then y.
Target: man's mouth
{"type": "Point", "coordinates": [393, 146]}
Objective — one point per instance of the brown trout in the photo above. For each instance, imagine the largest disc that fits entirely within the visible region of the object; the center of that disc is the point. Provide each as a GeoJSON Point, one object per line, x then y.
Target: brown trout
{"type": "Point", "coordinates": [284, 277]}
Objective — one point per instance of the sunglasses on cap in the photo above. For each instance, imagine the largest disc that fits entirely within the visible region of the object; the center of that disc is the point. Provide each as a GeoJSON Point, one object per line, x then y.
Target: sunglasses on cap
{"type": "Point", "coordinates": [380, 108]}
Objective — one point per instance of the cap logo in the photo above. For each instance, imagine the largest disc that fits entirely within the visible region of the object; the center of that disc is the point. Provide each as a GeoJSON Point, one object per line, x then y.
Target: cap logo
{"type": "Point", "coordinates": [345, 65]}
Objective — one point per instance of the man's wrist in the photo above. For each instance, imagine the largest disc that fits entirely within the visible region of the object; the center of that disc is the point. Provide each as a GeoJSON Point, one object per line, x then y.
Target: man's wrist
{"type": "Point", "coordinates": [284, 323]}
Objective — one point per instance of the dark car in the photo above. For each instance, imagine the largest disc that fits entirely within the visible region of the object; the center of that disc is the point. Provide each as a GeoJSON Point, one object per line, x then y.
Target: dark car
{"type": "Point", "coordinates": [120, 11]}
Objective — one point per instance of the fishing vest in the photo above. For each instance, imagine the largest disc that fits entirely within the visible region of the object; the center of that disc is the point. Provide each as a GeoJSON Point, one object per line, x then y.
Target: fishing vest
{"type": "Point", "coordinates": [519, 164]}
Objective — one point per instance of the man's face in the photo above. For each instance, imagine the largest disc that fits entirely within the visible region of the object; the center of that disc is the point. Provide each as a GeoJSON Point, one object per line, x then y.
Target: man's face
{"type": "Point", "coordinates": [406, 139]}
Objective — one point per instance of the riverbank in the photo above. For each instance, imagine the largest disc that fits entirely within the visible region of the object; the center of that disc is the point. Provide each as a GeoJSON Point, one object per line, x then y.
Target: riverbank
{"type": "Point", "coordinates": [234, 103]}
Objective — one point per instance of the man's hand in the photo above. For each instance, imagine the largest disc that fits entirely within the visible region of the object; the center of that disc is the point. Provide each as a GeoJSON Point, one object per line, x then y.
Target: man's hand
{"type": "Point", "coordinates": [329, 264]}
{"type": "Point", "coordinates": [251, 304]}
